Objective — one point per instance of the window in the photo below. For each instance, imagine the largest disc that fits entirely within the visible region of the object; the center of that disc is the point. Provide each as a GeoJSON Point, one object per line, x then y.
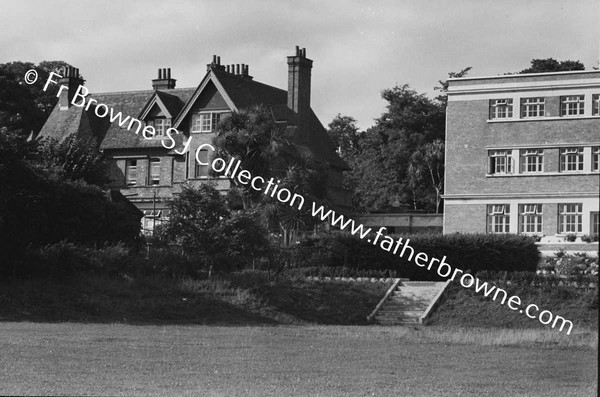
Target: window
{"type": "Point", "coordinates": [595, 218]}
{"type": "Point", "coordinates": [154, 171]}
{"type": "Point", "coordinates": [500, 162]}
{"type": "Point", "coordinates": [571, 159]}
{"type": "Point", "coordinates": [571, 105]}
{"type": "Point", "coordinates": [206, 122]}
{"type": "Point", "coordinates": [532, 107]}
{"type": "Point", "coordinates": [201, 171]}
{"type": "Point", "coordinates": [596, 105]}
{"type": "Point", "coordinates": [498, 218]}
{"type": "Point", "coordinates": [501, 108]}
{"type": "Point", "coordinates": [530, 218]}
{"type": "Point", "coordinates": [569, 218]}
{"type": "Point", "coordinates": [161, 125]}
{"type": "Point", "coordinates": [131, 172]}
{"type": "Point", "coordinates": [151, 219]}
{"type": "Point", "coordinates": [595, 158]}
{"type": "Point", "coordinates": [532, 160]}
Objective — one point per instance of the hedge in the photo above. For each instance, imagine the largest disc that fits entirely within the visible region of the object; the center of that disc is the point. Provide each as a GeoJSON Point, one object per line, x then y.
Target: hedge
{"type": "Point", "coordinates": [468, 252]}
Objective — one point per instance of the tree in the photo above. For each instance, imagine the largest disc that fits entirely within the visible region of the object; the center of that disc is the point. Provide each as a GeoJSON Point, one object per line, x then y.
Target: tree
{"type": "Point", "coordinates": [252, 137]}
{"type": "Point", "coordinates": [443, 87]}
{"type": "Point", "coordinates": [427, 169]}
{"type": "Point", "coordinates": [73, 159]}
{"type": "Point", "coordinates": [344, 134]}
{"type": "Point", "coordinates": [552, 65]}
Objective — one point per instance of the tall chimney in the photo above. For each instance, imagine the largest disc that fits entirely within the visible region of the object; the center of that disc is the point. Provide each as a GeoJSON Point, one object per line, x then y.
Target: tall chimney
{"type": "Point", "coordinates": [164, 80]}
{"type": "Point", "coordinates": [72, 81]}
{"type": "Point", "coordinates": [299, 71]}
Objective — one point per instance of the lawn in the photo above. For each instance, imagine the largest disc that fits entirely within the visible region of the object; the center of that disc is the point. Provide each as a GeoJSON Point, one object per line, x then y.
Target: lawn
{"type": "Point", "coordinates": [121, 359]}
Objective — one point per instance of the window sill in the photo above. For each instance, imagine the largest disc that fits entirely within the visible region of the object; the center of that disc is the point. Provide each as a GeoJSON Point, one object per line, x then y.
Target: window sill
{"type": "Point", "coordinates": [580, 173]}
{"type": "Point", "coordinates": [554, 118]}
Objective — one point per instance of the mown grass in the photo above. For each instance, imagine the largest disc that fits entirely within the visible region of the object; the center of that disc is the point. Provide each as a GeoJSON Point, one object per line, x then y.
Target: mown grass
{"type": "Point", "coordinates": [239, 298]}
{"type": "Point", "coordinates": [465, 308]}
{"type": "Point", "coordinates": [120, 359]}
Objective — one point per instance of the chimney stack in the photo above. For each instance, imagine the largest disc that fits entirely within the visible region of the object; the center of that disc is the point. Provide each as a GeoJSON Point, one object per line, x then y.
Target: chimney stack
{"type": "Point", "coordinates": [215, 64]}
{"type": "Point", "coordinates": [164, 80]}
{"type": "Point", "coordinates": [72, 80]}
{"type": "Point", "coordinates": [299, 76]}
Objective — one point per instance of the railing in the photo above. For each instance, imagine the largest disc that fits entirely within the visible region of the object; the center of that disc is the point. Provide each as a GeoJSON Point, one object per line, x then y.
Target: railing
{"type": "Point", "coordinates": [385, 298]}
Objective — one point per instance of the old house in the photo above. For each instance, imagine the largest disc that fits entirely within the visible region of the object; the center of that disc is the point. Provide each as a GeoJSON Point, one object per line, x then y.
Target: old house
{"type": "Point", "coordinates": [149, 174]}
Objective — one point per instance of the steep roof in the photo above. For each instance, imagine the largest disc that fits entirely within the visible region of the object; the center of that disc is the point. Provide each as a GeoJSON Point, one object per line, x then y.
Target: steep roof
{"type": "Point", "coordinates": [240, 91]}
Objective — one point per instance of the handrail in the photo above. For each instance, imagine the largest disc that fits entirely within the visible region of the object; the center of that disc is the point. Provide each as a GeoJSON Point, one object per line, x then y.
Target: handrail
{"type": "Point", "coordinates": [433, 303]}
{"type": "Point", "coordinates": [385, 297]}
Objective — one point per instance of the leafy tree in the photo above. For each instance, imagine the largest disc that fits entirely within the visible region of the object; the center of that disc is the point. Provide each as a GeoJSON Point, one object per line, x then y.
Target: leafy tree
{"type": "Point", "coordinates": [443, 87]}
{"type": "Point", "coordinates": [552, 65]}
{"type": "Point", "coordinates": [31, 102]}
{"type": "Point", "coordinates": [252, 136]}
{"type": "Point", "coordinates": [426, 170]}
{"type": "Point", "coordinates": [74, 158]}
{"type": "Point", "coordinates": [345, 134]}
{"type": "Point", "coordinates": [195, 214]}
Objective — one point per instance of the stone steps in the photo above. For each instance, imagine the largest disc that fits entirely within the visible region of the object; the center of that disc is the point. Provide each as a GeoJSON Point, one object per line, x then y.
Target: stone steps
{"type": "Point", "coordinates": [408, 303]}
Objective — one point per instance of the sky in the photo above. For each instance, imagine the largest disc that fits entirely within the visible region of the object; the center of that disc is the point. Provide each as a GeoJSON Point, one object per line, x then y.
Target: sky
{"type": "Point", "coordinates": [359, 48]}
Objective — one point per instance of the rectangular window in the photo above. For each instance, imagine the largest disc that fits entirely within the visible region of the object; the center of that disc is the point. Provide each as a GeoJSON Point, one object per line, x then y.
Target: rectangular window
{"type": "Point", "coordinates": [596, 105]}
{"type": "Point", "coordinates": [595, 218]}
{"type": "Point", "coordinates": [500, 162]}
{"type": "Point", "coordinates": [530, 218]}
{"type": "Point", "coordinates": [532, 107]}
{"type": "Point", "coordinates": [498, 218]}
{"type": "Point", "coordinates": [206, 122]}
{"type": "Point", "coordinates": [200, 170]}
{"type": "Point", "coordinates": [161, 125]}
{"type": "Point", "coordinates": [571, 105]}
{"type": "Point", "coordinates": [569, 218]}
{"type": "Point", "coordinates": [596, 158]}
{"type": "Point", "coordinates": [131, 172]}
{"type": "Point", "coordinates": [532, 160]}
{"type": "Point", "coordinates": [154, 172]}
{"type": "Point", "coordinates": [571, 159]}
{"type": "Point", "coordinates": [501, 108]}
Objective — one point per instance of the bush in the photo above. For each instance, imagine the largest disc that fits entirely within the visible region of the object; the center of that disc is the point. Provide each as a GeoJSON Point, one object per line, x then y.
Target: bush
{"type": "Point", "coordinates": [474, 252]}
{"type": "Point", "coordinates": [589, 239]}
{"type": "Point", "coordinates": [571, 237]}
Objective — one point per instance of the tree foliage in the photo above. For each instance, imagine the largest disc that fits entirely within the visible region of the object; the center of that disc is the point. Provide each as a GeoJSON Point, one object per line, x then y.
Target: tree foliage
{"type": "Point", "coordinates": [552, 65]}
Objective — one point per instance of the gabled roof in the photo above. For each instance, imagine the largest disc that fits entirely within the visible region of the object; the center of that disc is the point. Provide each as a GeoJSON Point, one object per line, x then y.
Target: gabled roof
{"type": "Point", "coordinates": [238, 92]}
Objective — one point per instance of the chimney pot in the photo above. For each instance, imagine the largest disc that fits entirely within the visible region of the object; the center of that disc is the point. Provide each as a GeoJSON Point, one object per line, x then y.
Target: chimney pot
{"type": "Point", "coordinates": [297, 50]}
{"type": "Point", "coordinates": [169, 73]}
{"type": "Point", "coordinates": [237, 69]}
{"type": "Point", "coordinates": [304, 52]}
{"type": "Point", "coordinates": [218, 60]}
{"type": "Point", "coordinates": [159, 73]}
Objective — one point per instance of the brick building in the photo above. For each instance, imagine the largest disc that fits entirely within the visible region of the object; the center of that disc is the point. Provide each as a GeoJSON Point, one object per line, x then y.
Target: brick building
{"type": "Point", "coordinates": [522, 154]}
{"type": "Point", "coordinates": [151, 175]}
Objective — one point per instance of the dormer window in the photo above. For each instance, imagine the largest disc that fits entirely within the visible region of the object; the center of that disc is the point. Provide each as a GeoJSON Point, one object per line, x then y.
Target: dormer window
{"type": "Point", "coordinates": [161, 125]}
{"type": "Point", "coordinates": [206, 121]}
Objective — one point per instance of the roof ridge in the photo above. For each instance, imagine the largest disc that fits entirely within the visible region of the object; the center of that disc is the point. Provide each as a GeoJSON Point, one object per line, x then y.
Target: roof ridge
{"type": "Point", "coordinates": [141, 91]}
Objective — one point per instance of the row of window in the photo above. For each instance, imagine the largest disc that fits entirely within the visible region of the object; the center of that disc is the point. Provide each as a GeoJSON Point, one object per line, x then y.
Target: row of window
{"type": "Point", "coordinates": [201, 122]}
{"type": "Point", "coordinates": [571, 105]}
{"type": "Point", "coordinates": [530, 218]}
{"type": "Point", "coordinates": [132, 171]}
{"type": "Point", "coordinates": [531, 161]}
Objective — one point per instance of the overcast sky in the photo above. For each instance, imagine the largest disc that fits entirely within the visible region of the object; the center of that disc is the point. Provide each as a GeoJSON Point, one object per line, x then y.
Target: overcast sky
{"type": "Point", "coordinates": [358, 47]}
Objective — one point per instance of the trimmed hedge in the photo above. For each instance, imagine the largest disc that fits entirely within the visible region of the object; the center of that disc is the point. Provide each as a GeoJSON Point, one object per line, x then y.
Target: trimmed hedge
{"type": "Point", "coordinates": [469, 252]}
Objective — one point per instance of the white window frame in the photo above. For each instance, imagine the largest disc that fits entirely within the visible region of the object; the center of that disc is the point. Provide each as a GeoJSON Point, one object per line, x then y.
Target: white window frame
{"type": "Point", "coordinates": [501, 108]}
{"type": "Point", "coordinates": [206, 121]}
{"type": "Point", "coordinates": [161, 125]}
{"type": "Point", "coordinates": [570, 218]}
{"type": "Point", "coordinates": [572, 105]}
{"type": "Point", "coordinates": [532, 161]}
{"type": "Point", "coordinates": [571, 159]}
{"type": "Point", "coordinates": [154, 176]}
{"type": "Point", "coordinates": [500, 162]}
{"type": "Point", "coordinates": [595, 158]}
{"type": "Point", "coordinates": [596, 105]}
{"type": "Point", "coordinates": [532, 107]}
{"type": "Point", "coordinates": [498, 218]}
{"type": "Point", "coordinates": [530, 218]}
{"type": "Point", "coordinates": [131, 172]}
{"type": "Point", "coordinates": [198, 166]}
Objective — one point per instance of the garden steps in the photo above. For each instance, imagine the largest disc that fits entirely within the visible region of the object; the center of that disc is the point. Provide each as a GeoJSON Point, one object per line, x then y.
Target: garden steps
{"type": "Point", "coordinates": [408, 302]}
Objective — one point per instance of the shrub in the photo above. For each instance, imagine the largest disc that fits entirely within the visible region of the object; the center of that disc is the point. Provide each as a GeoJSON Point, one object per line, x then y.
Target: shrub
{"type": "Point", "coordinates": [571, 237]}
{"type": "Point", "coordinates": [589, 239]}
{"type": "Point", "coordinates": [475, 252]}
{"type": "Point", "coordinates": [60, 259]}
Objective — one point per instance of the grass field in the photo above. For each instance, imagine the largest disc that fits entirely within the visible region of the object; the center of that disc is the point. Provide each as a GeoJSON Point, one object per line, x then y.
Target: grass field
{"type": "Point", "coordinates": [316, 360]}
